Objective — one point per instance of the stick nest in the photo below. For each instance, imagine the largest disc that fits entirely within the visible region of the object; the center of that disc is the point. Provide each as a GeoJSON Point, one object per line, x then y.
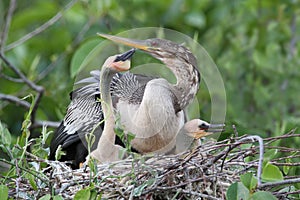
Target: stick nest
{"type": "Point", "coordinates": [205, 172]}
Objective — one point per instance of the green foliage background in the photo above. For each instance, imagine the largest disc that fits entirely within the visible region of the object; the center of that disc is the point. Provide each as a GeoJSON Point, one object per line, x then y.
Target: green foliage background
{"type": "Point", "coordinates": [254, 44]}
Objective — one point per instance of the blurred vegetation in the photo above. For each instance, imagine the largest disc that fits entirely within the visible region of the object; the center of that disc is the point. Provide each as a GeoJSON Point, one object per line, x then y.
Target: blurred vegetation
{"type": "Point", "coordinates": [254, 44]}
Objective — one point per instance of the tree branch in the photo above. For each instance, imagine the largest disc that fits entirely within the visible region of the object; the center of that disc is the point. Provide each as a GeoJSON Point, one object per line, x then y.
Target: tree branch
{"type": "Point", "coordinates": [39, 124]}
{"type": "Point", "coordinates": [22, 77]}
{"type": "Point", "coordinates": [261, 155]}
{"type": "Point", "coordinates": [284, 182]}
{"type": "Point", "coordinates": [4, 34]}
{"type": "Point", "coordinates": [20, 74]}
{"type": "Point", "coordinates": [15, 100]}
{"type": "Point", "coordinates": [16, 80]}
{"type": "Point", "coordinates": [32, 85]}
{"type": "Point", "coordinates": [293, 41]}
{"type": "Point", "coordinates": [41, 28]}
{"type": "Point", "coordinates": [79, 37]}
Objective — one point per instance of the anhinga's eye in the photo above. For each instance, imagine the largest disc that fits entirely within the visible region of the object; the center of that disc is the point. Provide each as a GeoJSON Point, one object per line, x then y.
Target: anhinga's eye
{"type": "Point", "coordinates": [203, 126]}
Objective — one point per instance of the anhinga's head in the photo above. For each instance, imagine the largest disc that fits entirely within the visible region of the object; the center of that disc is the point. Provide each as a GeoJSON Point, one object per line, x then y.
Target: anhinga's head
{"type": "Point", "coordinates": [164, 50]}
{"type": "Point", "coordinates": [119, 62]}
{"type": "Point", "coordinates": [198, 128]}
{"type": "Point", "coordinates": [176, 57]}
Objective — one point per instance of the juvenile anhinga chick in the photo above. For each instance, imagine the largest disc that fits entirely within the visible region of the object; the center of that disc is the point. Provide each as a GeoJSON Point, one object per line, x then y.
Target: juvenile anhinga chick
{"type": "Point", "coordinates": [192, 131]}
{"type": "Point", "coordinates": [107, 150]}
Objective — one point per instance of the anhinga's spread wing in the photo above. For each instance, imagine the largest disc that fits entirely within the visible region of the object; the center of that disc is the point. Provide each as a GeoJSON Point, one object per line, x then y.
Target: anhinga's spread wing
{"type": "Point", "coordinates": [85, 112]}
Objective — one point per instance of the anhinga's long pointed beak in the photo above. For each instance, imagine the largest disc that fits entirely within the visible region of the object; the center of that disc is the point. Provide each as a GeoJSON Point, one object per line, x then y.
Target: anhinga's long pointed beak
{"type": "Point", "coordinates": [215, 128]}
{"type": "Point", "coordinates": [211, 129]}
{"type": "Point", "coordinates": [139, 44]}
{"type": "Point", "coordinates": [125, 56]}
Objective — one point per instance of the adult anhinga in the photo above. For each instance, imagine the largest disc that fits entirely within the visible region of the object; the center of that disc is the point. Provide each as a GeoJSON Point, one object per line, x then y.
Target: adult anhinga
{"type": "Point", "coordinates": [157, 115]}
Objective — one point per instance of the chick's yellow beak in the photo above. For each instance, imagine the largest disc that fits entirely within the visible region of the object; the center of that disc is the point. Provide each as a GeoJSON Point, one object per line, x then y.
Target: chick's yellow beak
{"type": "Point", "coordinates": [199, 134]}
{"type": "Point", "coordinates": [211, 129]}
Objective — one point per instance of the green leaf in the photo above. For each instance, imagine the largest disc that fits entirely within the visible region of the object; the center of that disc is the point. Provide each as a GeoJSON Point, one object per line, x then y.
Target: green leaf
{"type": "Point", "coordinates": [59, 153]}
{"type": "Point", "coordinates": [33, 68]}
{"type": "Point", "coordinates": [93, 194]}
{"type": "Point", "coordinates": [32, 181]}
{"type": "Point", "coordinates": [259, 58]}
{"type": "Point", "coordinates": [237, 191]}
{"type": "Point", "coordinates": [4, 135]}
{"type": "Point", "coordinates": [249, 181]}
{"type": "Point", "coordinates": [83, 194]}
{"type": "Point", "coordinates": [57, 197]}
{"type": "Point", "coordinates": [196, 19]}
{"type": "Point", "coordinates": [3, 192]}
{"type": "Point", "coordinates": [120, 133]}
{"type": "Point", "coordinates": [262, 195]}
{"type": "Point", "coordinates": [80, 55]}
{"type": "Point", "coordinates": [33, 14]}
{"type": "Point", "coordinates": [271, 173]}
{"type": "Point", "coordinates": [270, 154]}
{"type": "Point", "coordinates": [45, 197]}
{"type": "Point", "coordinates": [286, 169]}
{"type": "Point", "coordinates": [130, 136]}
{"type": "Point", "coordinates": [138, 191]}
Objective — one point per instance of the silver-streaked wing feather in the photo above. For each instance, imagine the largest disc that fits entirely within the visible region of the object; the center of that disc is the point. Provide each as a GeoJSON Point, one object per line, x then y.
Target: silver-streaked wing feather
{"type": "Point", "coordinates": [85, 112]}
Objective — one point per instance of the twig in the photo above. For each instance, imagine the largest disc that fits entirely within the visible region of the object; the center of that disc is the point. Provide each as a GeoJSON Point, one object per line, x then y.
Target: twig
{"type": "Point", "coordinates": [283, 149]}
{"type": "Point", "coordinates": [200, 195]}
{"type": "Point", "coordinates": [40, 176]}
{"type": "Point", "coordinates": [18, 179]}
{"type": "Point", "coordinates": [284, 193]}
{"type": "Point", "coordinates": [76, 41]}
{"type": "Point", "coordinates": [20, 74]}
{"type": "Point", "coordinates": [288, 135]}
{"type": "Point", "coordinates": [285, 164]}
{"type": "Point", "coordinates": [261, 155]}
{"type": "Point", "coordinates": [286, 157]}
{"type": "Point", "coordinates": [39, 124]}
{"type": "Point", "coordinates": [31, 84]}
{"type": "Point", "coordinates": [4, 34]}
{"type": "Point", "coordinates": [16, 80]}
{"type": "Point", "coordinates": [36, 105]}
{"type": "Point", "coordinates": [15, 100]}
{"type": "Point", "coordinates": [293, 35]}
{"type": "Point", "coordinates": [284, 182]}
{"type": "Point", "coordinates": [41, 28]}
{"type": "Point", "coordinates": [230, 148]}
{"type": "Point", "coordinates": [235, 130]}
